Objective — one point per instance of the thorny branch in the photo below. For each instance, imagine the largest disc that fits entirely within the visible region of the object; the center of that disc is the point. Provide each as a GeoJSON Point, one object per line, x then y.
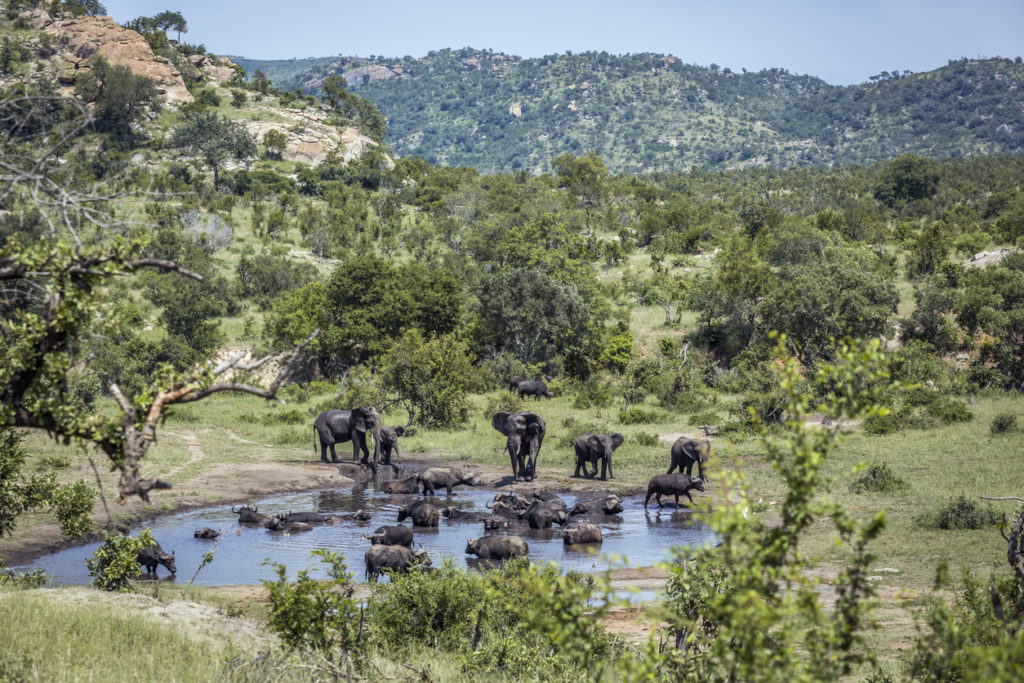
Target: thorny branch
{"type": "Point", "coordinates": [1014, 554]}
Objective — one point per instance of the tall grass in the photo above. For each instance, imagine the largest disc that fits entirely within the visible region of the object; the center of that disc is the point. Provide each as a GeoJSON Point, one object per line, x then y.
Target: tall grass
{"type": "Point", "coordinates": [48, 639]}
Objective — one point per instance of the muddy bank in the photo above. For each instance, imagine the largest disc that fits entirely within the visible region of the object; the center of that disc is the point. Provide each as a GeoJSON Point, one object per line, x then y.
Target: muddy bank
{"type": "Point", "coordinates": [227, 484]}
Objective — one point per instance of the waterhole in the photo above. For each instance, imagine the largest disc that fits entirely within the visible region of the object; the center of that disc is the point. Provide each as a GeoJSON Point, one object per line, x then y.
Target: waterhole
{"type": "Point", "coordinates": [635, 538]}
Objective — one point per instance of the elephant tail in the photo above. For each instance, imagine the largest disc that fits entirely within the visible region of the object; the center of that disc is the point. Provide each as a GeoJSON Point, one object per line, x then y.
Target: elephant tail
{"type": "Point", "coordinates": [314, 441]}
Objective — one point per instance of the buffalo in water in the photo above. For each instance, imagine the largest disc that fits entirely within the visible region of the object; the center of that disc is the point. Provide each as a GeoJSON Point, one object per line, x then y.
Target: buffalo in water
{"type": "Point", "coordinates": [423, 514]}
{"type": "Point", "coordinates": [391, 535]}
{"type": "Point", "coordinates": [397, 558]}
{"type": "Point", "coordinates": [154, 555]}
{"type": "Point", "coordinates": [206, 532]}
{"type": "Point", "coordinates": [247, 514]}
{"type": "Point", "coordinates": [497, 547]}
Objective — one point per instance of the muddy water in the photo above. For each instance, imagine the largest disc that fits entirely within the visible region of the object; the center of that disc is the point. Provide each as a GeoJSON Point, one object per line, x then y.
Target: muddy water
{"type": "Point", "coordinates": [642, 539]}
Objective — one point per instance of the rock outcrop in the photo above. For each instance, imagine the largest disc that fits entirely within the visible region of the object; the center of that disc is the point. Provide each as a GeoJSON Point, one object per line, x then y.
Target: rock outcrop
{"type": "Point", "coordinates": [309, 137]}
{"type": "Point", "coordinates": [213, 70]}
{"type": "Point", "coordinates": [84, 37]}
{"type": "Point", "coordinates": [364, 75]}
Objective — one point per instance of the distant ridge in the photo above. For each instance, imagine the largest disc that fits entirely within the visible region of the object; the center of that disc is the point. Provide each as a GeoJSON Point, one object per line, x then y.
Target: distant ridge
{"type": "Point", "coordinates": [651, 112]}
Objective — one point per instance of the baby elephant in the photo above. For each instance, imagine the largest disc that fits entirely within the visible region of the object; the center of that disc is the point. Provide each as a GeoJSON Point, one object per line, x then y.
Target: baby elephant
{"type": "Point", "coordinates": [447, 477]}
{"type": "Point", "coordinates": [389, 442]}
{"type": "Point", "coordinates": [497, 547]}
{"type": "Point", "coordinates": [672, 485]}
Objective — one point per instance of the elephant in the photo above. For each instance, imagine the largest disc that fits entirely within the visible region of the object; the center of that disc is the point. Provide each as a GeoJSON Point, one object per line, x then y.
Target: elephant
{"type": "Point", "coordinates": [514, 382]}
{"type": "Point", "coordinates": [525, 432]}
{"type": "Point", "coordinates": [206, 532]}
{"type": "Point", "coordinates": [581, 532]}
{"type": "Point", "coordinates": [444, 477]}
{"type": "Point", "coordinates": [497, 547]}
{"type": "Point", "coordinates": [397, 558]}
{"type": "Point", "coordinates": [338, 426]}
{"type": "Point", "coordinates": [389, 442]}
{"type": "Point", "coordinates": [247, 514]}
{"type": "Point", "coordinates": [534, 388]}
{"type": "Point", "coordinates": [686, 452]}
{"type": "Point", "coordinates": [593, 447]}
{"type": "Point", "coordinates": [154, 555]}
{"type": "Point", "coordinates": [677, 484]}
{"type": "Point", "coordinates": [390, 535]}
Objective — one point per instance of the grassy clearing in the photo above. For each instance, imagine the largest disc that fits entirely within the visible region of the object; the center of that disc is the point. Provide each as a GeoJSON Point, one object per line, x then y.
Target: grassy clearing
{"type": "Point", "coordinates": [48, 638]}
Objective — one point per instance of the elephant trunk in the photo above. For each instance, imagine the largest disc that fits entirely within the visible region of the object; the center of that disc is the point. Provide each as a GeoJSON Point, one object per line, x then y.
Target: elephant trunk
{"type": "Point", "coordinates": [375, 430]}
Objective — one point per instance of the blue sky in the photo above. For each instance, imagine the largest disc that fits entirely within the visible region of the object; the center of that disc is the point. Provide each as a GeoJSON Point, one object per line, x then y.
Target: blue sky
{"type": "Point", "coordinates": [842, 42]}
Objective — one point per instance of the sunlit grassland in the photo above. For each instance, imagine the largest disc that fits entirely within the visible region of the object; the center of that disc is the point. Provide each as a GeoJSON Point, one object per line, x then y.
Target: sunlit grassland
{"type": "Point", "coordinates": [49, 639]}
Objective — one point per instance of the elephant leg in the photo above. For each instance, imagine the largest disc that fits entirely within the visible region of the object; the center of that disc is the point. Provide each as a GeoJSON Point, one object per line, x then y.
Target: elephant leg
{"type": "Point", "coordinates": [604, 469]}
{"type": "Point", "coordinates": [672, 467]}
{"type": "Point", "coordinates": [576, 474]}
{"type": "Point", "coordinates": [323, 451]}
{"type": "Point", "coordinates": [334, 455]}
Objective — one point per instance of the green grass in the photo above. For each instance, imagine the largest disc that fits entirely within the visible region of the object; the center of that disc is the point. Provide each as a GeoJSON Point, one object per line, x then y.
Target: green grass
{"type": "Point", "coordinates": [47, 638]}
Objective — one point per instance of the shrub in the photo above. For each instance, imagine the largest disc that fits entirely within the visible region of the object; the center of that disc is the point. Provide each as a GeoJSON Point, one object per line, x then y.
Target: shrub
{"type": "Point", "coordinates": [71, 505]}
{"type": "Point", "coordinates": [959, 513]}
{"type": "Point", "coordinates": [314, 614]}
{"type": "Point", "coordinates": [509, 402]}
{"type": "Point", "coordinates": [879, 478]}
{"type": "Point", "coordinates": [11, 578]}
{"type": "Point", "coordinates": [949, 409]}
{"type": "Point", "coordinates": [1003, 423]}
{"type": "Point", "coordinates": [646, 439]}
{"type": "Point", "coordinates": [635, 416]}
{"type": "Point", "coordinates": [115, 564]}
{"type": "Point", "coordinates": [593, 393]}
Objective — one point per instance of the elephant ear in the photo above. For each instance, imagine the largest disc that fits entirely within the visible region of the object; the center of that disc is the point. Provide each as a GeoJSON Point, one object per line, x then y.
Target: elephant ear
{"type": "Point", "coordinates": [595, 444]}
{"type": "Point", "coordinates": [359, 419]}
{"type": "Point", "coordinates": [705, 450]}
{"type": "Point", "coordinates": [500, 421]}
{"type": "Point", "coordinates": [399, 431]}
{"type": "Point", "coordinates": [617, 440]}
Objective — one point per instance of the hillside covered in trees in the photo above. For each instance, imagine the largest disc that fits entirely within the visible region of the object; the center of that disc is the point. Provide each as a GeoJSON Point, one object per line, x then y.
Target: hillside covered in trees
{"type": "Point", "coordinates": [647, 112]}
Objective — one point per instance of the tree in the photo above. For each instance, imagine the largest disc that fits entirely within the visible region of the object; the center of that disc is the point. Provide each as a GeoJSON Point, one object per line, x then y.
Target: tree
{"type": "Point", "coordinates": [91, 8]}
{"type": "Point", "coordinates": [275, 142]}
{"type": "Point", "coordinates": [907, 178]}
{"type": "Point", "coordinates": [171, 21]}
{"type": "Point", "coordinates": [432, 377]}
{"type": "Point", "coordinates": [215, 138]}
{"type": "Point", "coordinates": [119, 97]}
{"type": "Point", "coordinates": [57, 297]}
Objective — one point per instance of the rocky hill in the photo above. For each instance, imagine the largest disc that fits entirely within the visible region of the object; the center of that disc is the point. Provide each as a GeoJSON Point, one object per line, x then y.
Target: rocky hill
{"type": "Point", "coordinates": [648, 112]}
{"type": "Point", "coordinates": [57, 49]}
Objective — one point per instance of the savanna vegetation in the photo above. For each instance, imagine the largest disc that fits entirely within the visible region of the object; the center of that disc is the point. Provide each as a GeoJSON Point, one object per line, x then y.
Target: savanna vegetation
{"type": "Point", "coordinates": [654, 303]}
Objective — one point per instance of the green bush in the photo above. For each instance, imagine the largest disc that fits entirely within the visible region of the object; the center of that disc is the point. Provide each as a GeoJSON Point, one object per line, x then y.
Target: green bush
{"type": "Point", "coordinates": [506, 401]}
{"type": "Point", "coordinates": [646, 439]}
{"type": "Point", "coordinates": [115, 564]}
{"type": "Point", "coordinates": [879, 478]}
{"type": "Point", "coordinates": [592, 393]}
{"type": "Point", "coordinates": [11, 578]}
{"type": "Point", "coordinates": [959, 513]}
{"type": "Point", "coordinates": [635, 416]}
{"type": "Point", "coordinates": [314, 614]}
{"type": "Point", "coordinates": [947, 409]}
{"type": "Point", "coordinates": [1003, 423]}
{"type": "Point", "coordinates": [72, 504]}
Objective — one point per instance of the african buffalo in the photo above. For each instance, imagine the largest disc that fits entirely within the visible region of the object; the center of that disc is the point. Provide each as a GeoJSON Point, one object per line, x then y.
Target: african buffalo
{"type": "Point", "coordinates": [390, 535]}
{"type": "Point", "coordinates": [397, 558]}
{"type": "Point", "coordinates": [247, 515]}
{"type": "Point", "coordinates": [497, 547]}
{"type": "Point", "coordinates": [357, 516]}
{"type": "Point", "coordinates": [436, 477]}
{"type": "Point", "coordinates": [678, 484]}
{"type": "Point", "coordinates": [278, 524]}
{"type": "Point", "coordinates": [410, 485]}
{"type": "Point", "coordinates": [581, 532]}
{"type": "Point", "coordinates": [423, 514]}
{"type": "Point", "coordinates": [206, 532]}
{"type": "Point", "coordinates": [534, 388]}
{"type": "Point", "coordinates": [305, 517]}
{"type": "Point", "coordinates": [153, 555]}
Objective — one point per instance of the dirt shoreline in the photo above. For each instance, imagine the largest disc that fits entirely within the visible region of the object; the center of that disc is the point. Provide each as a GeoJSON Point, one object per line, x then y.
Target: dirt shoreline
{"type": "Point", "coordinates": [224, 485]}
